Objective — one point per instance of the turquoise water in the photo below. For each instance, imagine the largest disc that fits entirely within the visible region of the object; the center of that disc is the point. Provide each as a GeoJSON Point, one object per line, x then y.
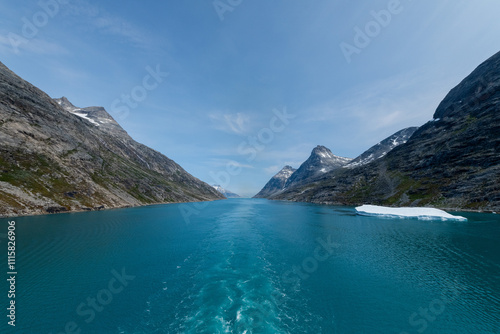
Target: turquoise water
{"type": "Point", "coordinates": [253, 266]}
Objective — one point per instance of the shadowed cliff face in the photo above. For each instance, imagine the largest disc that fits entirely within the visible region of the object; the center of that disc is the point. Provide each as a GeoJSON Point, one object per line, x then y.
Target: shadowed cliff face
{"type": "Point", "coordinates": [277, 183]}
{"type": "Point", "coordinates": [381, 149]}
{"type": "Point", "coordinates": [52, 160]}
{"type": "Point", "coordinates": [452, 161]}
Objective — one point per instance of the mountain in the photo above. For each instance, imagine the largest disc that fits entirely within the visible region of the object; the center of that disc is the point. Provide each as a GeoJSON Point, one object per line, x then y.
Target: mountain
{"type": "Point", "coordinates": [225, 192]}
{"type": "Point", "coordinates": [381, 149]}
{"type": "Point", "coordinates": [98, 116]}
{"type": "Point", "coordinates": [56, 157]}
{"type": "Point", "coordinates": [277, 183]}
{"type": "Point", "coordinates": [453, 161]}
{"type": "Point", "coordinates": [321, 161]}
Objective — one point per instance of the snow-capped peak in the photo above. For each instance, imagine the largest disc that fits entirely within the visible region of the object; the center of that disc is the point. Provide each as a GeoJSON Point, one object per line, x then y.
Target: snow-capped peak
{"type": "Point", "coordinates": [69, 107]}
{"type": "Point", "coordinates": [285, 173]}
{"type": "Point", "coordinates": [326, 157]}
{"type": "Point", "coordinates": [382, 148]}
{"type": "Point", "coordinates": [225, 192]}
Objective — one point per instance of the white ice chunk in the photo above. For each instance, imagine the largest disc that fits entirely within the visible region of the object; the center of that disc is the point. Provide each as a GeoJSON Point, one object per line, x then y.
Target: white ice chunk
{"type": "Point", "coordinates": [420, 213]}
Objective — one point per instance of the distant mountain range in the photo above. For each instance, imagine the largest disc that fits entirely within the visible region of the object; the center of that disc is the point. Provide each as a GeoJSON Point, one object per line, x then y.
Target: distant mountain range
{"type": "Point", "coordinates": [56, 157]}
{"type": "Point", "coordinates": [322, 161]}
{"type": "Point", "coordinates": [225, 192]}
{"type": "Point", "coordinates": [453, 161]}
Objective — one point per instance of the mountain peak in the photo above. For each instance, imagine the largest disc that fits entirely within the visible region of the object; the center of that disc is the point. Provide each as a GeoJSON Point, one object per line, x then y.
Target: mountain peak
{"type": "Point", "coordinates": [326, 157]}
{"type": "Point", "coordinates": [285, 173]}
{"type": "Point", "coordinates": [69, 163]}
{"type": "Point", "coordinates": [97, 116]}
{"type": "Point", "coordinates": [321, 161]}
{"type": "Point", "coordinates": [66, 104]}
{"type": "Point", "coordinates": [321, 149]}
{"type": "Point", "coordinates": [477, 93]}
{"type": "Point", "coordinates": [379, 150]}
{"type": "Point", "coordinates": [277, 183]}
{"type": "Point", "coordinates": [451, 162]}
{"type": "Point", "coordinates": [225, 192]}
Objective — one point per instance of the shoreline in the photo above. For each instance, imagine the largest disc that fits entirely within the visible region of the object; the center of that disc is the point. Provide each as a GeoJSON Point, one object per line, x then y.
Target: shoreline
{"type": "Point", "coordinates": [34, 214]}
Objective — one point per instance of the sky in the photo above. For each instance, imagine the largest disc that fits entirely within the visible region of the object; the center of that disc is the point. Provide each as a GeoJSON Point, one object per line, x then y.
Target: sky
{"type": "Point", "coordinates": [233, 90]}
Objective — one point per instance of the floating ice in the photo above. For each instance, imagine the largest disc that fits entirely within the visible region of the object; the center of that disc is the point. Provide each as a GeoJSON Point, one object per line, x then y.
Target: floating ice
{"type": "Point", "coordinates": [420, 213]}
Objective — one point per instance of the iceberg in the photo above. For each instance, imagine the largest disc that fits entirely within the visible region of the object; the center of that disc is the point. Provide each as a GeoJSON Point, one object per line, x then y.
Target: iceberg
{"type": "Point", "coordinates": [420, 213]}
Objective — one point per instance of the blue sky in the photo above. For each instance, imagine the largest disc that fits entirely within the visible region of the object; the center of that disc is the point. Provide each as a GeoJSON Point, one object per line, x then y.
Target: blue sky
{"type": "Point", "coordinates": [234, 65]}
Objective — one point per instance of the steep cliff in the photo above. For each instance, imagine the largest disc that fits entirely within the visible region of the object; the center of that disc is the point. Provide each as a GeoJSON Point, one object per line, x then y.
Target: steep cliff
{"type": "Point", "coordinates": [53, 159]}
{"type": "Point", "coordinates": [452, 161]}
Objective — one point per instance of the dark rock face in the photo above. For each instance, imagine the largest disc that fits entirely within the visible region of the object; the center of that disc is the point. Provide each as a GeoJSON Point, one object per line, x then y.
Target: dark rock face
{"type": "Point", "coordinates": [56, 209]}
{"type": "Point", "coordinates": [52, 158]}
{"type": "Point", "coordinates": [452, 161]}
{"type": "Point", "coordinates": [320, 162]}
{"type": "Point", "coordinates": [277, 183]}
{"type": "Point", "coordinates": [381, 149]}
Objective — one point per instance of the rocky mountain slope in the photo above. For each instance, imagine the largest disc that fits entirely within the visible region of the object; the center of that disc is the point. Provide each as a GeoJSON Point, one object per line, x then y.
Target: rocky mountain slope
{"type": "Point", "coordinates": [225, 192]}
{"type": "Point", "coordinates": [56, 157]}
{"type": "Point", "coordinates": [98, 116]}
{"type": "Point", "coordinates": [321, 161]}
{"type": "Point", "coordinates": [452, 161]}
{"type": "Point", "coordinates": [277, 183]}
{"type": "Point", "coordinates": [381, 149]}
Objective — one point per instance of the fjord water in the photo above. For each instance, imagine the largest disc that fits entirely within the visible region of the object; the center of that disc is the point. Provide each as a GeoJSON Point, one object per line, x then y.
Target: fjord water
{"type": "Point", "coordinates": [254, 266]}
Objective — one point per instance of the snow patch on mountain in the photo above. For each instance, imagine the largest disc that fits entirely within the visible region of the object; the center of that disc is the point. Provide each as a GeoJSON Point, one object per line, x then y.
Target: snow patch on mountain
{"type": "Point", "coordinates": [63, 102]}
{"type": "Point", "coordinates": [225, 192]}
{"type": "Point", "coordinates": [277, 183]}
{"type": "Point", "coordinates": [84, 116]}
{"type": "Point", "coordinates": [382, 148]}
{"type": "Point", "coordinates": [321, 161]}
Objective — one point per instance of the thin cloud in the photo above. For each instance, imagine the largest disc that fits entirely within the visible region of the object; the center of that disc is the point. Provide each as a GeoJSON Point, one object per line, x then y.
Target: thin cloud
{"type": "Point", "coordinates": [97, 18]}
{"type": "Point", "coordinates": [66, 73]}
{"type": "Point", "coordinates": [120, 27]}
{"type": "Point", "coordinates": [403, 100]}
{"type": "Point", "coordinates": [228, 162]}
{"type": "Point", "coordinates": [36, 46]}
